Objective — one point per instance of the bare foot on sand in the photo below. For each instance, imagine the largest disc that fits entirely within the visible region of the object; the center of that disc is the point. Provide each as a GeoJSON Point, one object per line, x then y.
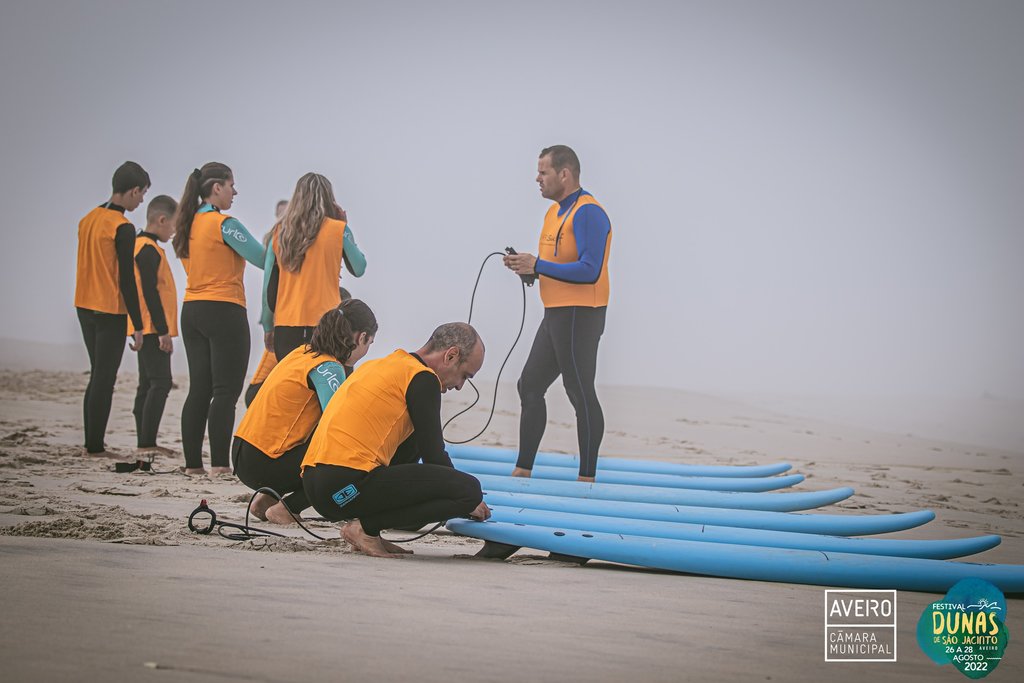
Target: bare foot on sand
{"type": "Point", "coordinates": [371, 545]}
{"type": "Point", "coordinates": [217, 471]}
{"type": "Point", "coordinates": [192, 471]}
{"type": "Point", "coordinates": [259, 505]}
{"type": "Point", "coordinates": [394, 548]}
{"type": "Point", "coordinates": [520, 472]}
{"type": "Point", "coordinates": [279, 514]}
{"type": "Point", "coordinates": [155, 450]}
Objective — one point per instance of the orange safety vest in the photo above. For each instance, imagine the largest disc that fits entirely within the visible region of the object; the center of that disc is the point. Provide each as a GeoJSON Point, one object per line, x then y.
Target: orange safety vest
{"type": "Point", "coordinates": [214, 269]}
{"type": "Point", "coordinates": [165, 288]}
{"type": "Point", "coordinates": [368, 419]}
{"type": "Point", "coordinates": [96, 281]}
{"type": "Point", "coordinates": [303, 297]}
{"type": "Point", "coordinates": [555, 293]}
{"type": "Point", "coordinates": [285, 411]}
{"type": "Point", "coordinates": [267, 363]}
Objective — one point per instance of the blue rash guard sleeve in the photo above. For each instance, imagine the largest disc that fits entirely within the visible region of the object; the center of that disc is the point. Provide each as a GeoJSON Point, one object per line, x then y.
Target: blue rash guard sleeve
{"type": "Point", "coordinates": [591, 227]}
{"type": "Point", "coordinates": [325, 379]}
{"type": "Point", "coordinates": [353, 255]}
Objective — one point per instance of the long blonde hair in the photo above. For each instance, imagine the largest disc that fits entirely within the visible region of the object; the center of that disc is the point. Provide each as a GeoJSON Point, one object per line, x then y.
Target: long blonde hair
{"type": "Point", "coordinates": [312, 202]}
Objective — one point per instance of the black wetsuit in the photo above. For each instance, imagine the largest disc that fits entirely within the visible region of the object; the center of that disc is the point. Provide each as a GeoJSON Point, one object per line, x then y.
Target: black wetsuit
{"type": "Point", "coordinates": [566, 344]}
{"type": "Point", "coordinates": [216, 337]}
{"type": "Point", "coordinates": [104, 335]}
{"type": "Point", "coordinates": [256, 469]}
{"type": "Point", "coordinates": [154, 364]}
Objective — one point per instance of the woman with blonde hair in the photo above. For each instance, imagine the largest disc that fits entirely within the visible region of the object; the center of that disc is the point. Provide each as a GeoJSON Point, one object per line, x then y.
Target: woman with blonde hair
{"type": "Point", "coordinates": [303, 264]}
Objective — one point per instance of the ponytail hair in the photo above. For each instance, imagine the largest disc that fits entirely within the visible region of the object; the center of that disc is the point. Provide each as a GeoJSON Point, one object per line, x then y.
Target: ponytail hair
{"type": "Point", "coordinates": [198, 187]}
{"type": "Point", "coordinates": [335, 334]}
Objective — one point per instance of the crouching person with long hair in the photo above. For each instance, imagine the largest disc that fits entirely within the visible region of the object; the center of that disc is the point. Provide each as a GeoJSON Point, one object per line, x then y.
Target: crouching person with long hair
{"type": "Point", "coordinates": [274, 434]}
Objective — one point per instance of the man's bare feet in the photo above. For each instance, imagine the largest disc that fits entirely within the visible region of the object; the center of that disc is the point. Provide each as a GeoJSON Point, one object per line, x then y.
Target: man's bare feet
{"type": "Point", "coordinates": [259, 505]}
{"type": "Point", "coordinates": [357, 538]}
{"type": "Point", "coordinates": [393, 548]}
{"type": "Point", "coordinates": [279, 514]}
{"type": "Point", "coordinates": [216, 471]}
{"type": "Point", "coordinates": [520, 472]}
{"type": "Point", "coordinates": [192, 471]}
{"type": "Point", "coordinates": [589, 480]}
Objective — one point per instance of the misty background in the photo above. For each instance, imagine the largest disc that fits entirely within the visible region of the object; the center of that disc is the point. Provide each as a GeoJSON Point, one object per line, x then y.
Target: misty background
{"type": "Point", "coordinates": [808, 199]}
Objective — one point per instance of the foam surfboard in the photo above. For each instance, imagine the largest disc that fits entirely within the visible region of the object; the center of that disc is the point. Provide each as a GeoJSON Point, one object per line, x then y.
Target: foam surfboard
{"type": "Point", "coordinates": [943, 549]}
{"type": "Point", "coordinates": [779, 502]}
{"type": "Point", "coordinates": [836, 525]}
{"type": "Point", "coordinates": [751, 484]}
{"type": "Point", "coordinates": [507, 455]}
{"type": "Point", "coordinates": [812, 567]}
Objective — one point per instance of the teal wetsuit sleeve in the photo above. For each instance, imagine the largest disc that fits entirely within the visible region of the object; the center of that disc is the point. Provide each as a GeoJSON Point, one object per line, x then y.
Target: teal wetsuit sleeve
{"type": "Point", "coordinates": [354, 258]}
{"type": "Point", "coordinates": [245, 245]}
{"type": "Point", "coordinates": [325, 380]}
{"type": "Point", "coordinates": [267, 315]}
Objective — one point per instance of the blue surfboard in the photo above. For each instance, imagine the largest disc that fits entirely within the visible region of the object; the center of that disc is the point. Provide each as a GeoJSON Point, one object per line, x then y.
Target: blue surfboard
{"type": "Point", "coordinates": [836, 525]}
{"type": "Point", "coordinates": [507, 455]}
{"type": "Point", "coordinates": [812, 567]}
{"type": "Point", "coordinates": [779, 502]}
{"type": "Point", "coordinates": [779, 521]}
{"type": "Point", "coordinates": [938, 549]}
{"type": "Point", "coordinates": [750, 484]}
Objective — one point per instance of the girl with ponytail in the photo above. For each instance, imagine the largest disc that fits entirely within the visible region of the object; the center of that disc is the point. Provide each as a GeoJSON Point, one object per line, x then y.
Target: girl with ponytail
{"type": "Point", "coordinates": [274, 434]}
{"type": "Point", "coordinates": [213, 247]}
{"type": "Point", "coordinates": [305, 255]}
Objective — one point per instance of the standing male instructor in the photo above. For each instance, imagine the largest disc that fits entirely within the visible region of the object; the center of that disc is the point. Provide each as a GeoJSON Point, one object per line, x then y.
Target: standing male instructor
{"type": "Point", "coordinates": [572, 265]}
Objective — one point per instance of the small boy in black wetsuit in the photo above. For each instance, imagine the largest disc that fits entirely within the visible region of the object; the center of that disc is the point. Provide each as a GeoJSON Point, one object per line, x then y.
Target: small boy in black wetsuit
{"type": "Point", "coordinates": [158, 297]}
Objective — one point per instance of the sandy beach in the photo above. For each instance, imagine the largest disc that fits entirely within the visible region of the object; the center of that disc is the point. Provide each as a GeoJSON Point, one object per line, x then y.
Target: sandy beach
{"type": "Point", "coordinates": [102, 580]}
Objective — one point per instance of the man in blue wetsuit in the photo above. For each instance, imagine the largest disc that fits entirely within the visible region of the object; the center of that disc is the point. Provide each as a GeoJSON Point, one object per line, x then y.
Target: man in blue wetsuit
{"type": "Point", "coordinates": [572, 266]}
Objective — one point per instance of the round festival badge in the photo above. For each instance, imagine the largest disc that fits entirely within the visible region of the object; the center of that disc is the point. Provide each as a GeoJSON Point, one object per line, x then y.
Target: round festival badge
{"type": "Point", "coordinates": [966, 628]}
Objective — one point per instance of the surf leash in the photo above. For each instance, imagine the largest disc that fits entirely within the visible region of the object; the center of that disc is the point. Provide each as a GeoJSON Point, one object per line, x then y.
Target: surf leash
{"type": "Point", "coordinates": [519, 334]}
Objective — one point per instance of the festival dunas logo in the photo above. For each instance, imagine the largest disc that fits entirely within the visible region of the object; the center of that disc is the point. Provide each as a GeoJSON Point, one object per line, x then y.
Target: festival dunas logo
{"type": "Point", "coordinates": [967, 628]}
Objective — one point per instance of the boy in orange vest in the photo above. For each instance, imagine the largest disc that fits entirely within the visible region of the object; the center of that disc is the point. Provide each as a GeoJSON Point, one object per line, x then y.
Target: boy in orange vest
{"type": "Point", "coordinates": [105, 295]}
{"type": "Point", "coordinates": [158, 299]}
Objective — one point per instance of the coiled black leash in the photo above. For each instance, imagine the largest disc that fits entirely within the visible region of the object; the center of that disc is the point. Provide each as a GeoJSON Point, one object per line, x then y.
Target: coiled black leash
{"type": "Point", "coordinates": [244, 533]}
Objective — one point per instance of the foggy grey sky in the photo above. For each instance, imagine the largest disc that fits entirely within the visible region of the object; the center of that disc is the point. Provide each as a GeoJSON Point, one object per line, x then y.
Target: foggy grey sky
{"type": "Point", "coordinates": [816, 197]}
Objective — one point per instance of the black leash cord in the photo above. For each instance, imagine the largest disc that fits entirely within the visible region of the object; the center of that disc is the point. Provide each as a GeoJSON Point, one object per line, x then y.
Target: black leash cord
{"type": "Point", "coordinates": [246, 532]}
{"type": "Point", "coordinates": [141, 464]}
{"type": "Point", "coordinates": [494, 400]}
{"type": "Point", "coordinates": [416, 538]}
{"type": "Point", "coordinates": [271, 492]}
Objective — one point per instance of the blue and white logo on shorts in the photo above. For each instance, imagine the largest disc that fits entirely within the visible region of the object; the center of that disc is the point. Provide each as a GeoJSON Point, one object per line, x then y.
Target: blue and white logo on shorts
{"type": "Point", "coordinates": [345, 495]}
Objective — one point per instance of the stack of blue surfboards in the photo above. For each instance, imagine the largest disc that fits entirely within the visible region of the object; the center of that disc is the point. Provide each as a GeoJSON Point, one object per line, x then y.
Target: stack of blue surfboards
{"type": "Point", "coordinates": [714, 520]}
